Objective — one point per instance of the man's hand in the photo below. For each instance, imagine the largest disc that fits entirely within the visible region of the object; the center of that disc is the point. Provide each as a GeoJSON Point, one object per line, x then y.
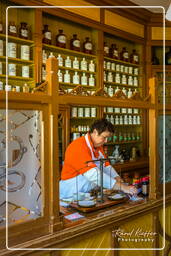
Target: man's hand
{"type": "Point", "coordinates": [119, 179]}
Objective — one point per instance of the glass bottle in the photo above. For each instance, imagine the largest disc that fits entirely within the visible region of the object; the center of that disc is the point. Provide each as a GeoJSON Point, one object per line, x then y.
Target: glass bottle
{"type": "Point", "coordinates": [145, 186]}
{"type": "Point", "coordinates": [83, 79]}
{"type": "Point", "coordinates": [23, 30]}
{"type": "Point", "coordinates": [60, 76]}
{"type": "Point", "coordinates": [91, 66]}
{"type": "Point", "coordinates": [47, 35]}
{"type": "Point", "coordinates": [113, 52]}
{"type": "Point", "coordinates": [61, 39]}
{"type": "Point", "coordinates": [91, 80]}
{"type": "Point", "coordinates": [12, 29]}
{"type": "Point", "coordinates": [124, 54]}
{"type": "Point", "coordinates": [60, 60]}
{"type": "Point", "coordinates": [134, 57]}
{"type": "Point", "coordinates": [76, 78]}
{"type": "Point", "coordinates": [68, 62]}
{"type": "Point", "coordinates": [25, 88]}
{"type": "Point", "coordinates": [67, 77]}
{"type": "Point", "coordinates": [1, 27]}
{"type": "Point", "coordinates": [106, 50]}
{"type": "Point", "coordinates": [75, 43]}
{"type": "Point", "coordinates": [83, 64]}
{"type": "Point", "coordinates": [75, 63]}
{"type": "Point", "coordinates": [87, 46]}
{"type": "Point", "coordinates": [110, 77]}
{"type": "Point", "coordinates": [168, 57]}
{"type": "Point", "coordinates": [44, 57]}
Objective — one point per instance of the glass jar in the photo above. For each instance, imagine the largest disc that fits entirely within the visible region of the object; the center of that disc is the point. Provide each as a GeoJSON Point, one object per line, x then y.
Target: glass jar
{"type": "Point", "coordinates": [23, 30]}
{"type": "Point", "coordinates": [124, 55]}
{"type": "Point", "coordinates": [113, 52]}
{"type": "Point", "coordinates": [12, 29]}
{"type": "Point", "coordinates": [87, 46]}
{"type": "Point", "coordinates": [1, 47]}
{"type": "Point", "coordinates": [47, 35]}
{"type": "Point", "coordinates": [61, 39]}
{"type": "Point", "coordinates": [134, 58]}
{"type": "Point", "coordinates": [25, 52]}
{"type": "Point", "coordinates": [106, 50]}
{"type": "Point", "coordinates": [75, 43]}
{"type": "Point", "coordinates": [12, 50]}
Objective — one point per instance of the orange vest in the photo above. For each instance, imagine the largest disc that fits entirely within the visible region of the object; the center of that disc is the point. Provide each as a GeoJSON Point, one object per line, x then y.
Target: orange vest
{"type": "Point", "coordinates": [76, 155]}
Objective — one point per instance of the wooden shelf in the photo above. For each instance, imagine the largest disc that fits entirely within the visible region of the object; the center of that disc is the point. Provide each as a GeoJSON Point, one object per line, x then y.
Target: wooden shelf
{"type": "Point", "coordinates": [123, 85]}
{"type": "Point", "coordinates": [67, 51]}
{"type": "Point", "coordinates": [75, 85]}
{"type": "Point", "coordinates": [17, 60]}
{"type": "Point", "coordinates": [123, 142]}
{"type": "Point", "coordinates": [83, 118]}
{"type": "Point", "coordinates": [132, 165]}
{"type": "Point", "coordinates": [17, 78]}
{"type": "Point", "coordinates": [121, 114]}
{"type": "Point", "coordinates": [76, 70]}
{"type": "Point", "coordinates": [16, 39]}
{"type": "Point", "coordinates": [122, 62]}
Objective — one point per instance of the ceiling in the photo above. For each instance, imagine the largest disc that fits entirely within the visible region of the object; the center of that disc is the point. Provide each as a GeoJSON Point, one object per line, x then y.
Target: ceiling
{"type": "Point", "coordinates": [164, 3]}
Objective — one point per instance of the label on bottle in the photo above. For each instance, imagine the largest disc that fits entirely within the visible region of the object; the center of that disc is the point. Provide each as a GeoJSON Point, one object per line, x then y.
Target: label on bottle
{"type": "Point", "coordinates": [115, 53]}
{"type": "Point", "coordinates": [68, 63]}
{"type": "Point", "coordinates": [106, 49]}
{"type": "Point", "coordinates": [48, 35]}
{"type": "Point", "coordinates": [12, 29]}
{"type": "Point", "coordinates": [62, 39]}
{"type": "Point", "coordinates": [12, 69]}
{"type": "Point", "coordinates": [83, 65]}
{"type": "Point", "coordinates": [91, 81]}
{"type": "Point", "coordinates": [88, 46]}
{"type": "Point", "coordinates": [25, 71]}
{"type": "Point", "coordinates": [135, 58]}
{"type": "Point", "coordinates": [24, 32]}
{"type": "Point", "coordinates": [66, 78]}
{"type": "Point", "coordinates": [76, 43]}
{"type": "Point", "coordinates": [125, 55]}
{"type": "Point", "coordinates": [84, 80]}
{"type": "Point", "coordinates": [75, 79]}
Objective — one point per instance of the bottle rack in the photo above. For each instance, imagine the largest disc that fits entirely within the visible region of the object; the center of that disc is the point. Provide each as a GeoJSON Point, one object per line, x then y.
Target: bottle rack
{"type": "Point", "coordinates": [81, 119]}
{"type": "Point", "coordinates": [19, 77]}
{"type": "Point", "coordinates": [62, 69]}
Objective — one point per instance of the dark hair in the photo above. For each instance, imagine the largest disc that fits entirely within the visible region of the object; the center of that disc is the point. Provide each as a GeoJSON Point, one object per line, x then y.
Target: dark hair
{"type": "Point", "coordinates": [102, 125]}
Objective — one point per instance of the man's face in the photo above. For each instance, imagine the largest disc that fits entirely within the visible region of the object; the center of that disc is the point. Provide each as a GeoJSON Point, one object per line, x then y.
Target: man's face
{"type": "Point", "coordinates": [100, 139]}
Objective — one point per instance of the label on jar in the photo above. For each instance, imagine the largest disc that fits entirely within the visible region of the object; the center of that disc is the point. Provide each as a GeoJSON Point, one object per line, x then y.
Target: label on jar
{"type": "Point", "coordinates": [62, 39]}
{"type": "Point", "coordinates": [106, 49]}
{"type": "Point", "coordinates": [93, 112]}
{"type": "Point", "coordinates": [115, 53]}
{"type": "Point", "coordinates": [25, 71]}
{"type": "Point", "coordinates": [125, 55]}
{"type": "Point", "coordinates": [24, 32]}
{"type": "Point", "coordinates": [135, 58]}
{"type": "Point", "coordinates": [47, 35]}
{"type": "Point", "coordinates": [12, 69]}
{"type": "Point", "coordinates": [88, 46]}
{"type": "Point", "coordinates": [25, 52]}
{"type": "Point", "coordinates": [12, 47]}
{"type": "Point", "coordinates": [76, 43]}
{"type": "Point", "coordinates": [74, 112]}
{"type": "Point", "coordinates": [13, 29]}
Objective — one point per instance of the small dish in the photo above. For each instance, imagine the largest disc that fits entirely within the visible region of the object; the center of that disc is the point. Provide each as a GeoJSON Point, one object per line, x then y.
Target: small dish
{"type": "Point", "coordinates": [116, 196]}
{"type": "Point", "coordinates": [86, 203]}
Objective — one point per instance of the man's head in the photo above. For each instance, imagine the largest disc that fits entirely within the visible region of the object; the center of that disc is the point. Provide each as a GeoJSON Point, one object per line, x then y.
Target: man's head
{"type": "Point", "coordinates": [100, 131]}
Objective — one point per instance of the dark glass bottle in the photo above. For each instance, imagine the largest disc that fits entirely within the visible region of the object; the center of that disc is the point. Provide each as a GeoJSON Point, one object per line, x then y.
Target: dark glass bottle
{"type": "Point", "coordinates": [1, 27]}
{"type": "Point", "coordinates": [87, 46]}
{"type": "Point", "coordinates": [113, 52]}
{"type": "Point", "coordinates": [61, 39]}
{"type": "Point", "coordinates": [145, 186]}
{"type": "Point", "coordinates": [106, 50]}
{"type": "Point", "coordinates": [12, 29]}
{"type": "Point", "coordinates": [134, 57]}
{"type": "Point", "coordinates": [47, 35]}
{"type": "Point", "coordinates": [168, 57]}
{"type": "Point", "coordinates": [154, 60]}
{"type": "Point", "coordinates": [75, 43]}
{"type": "Point", "coordinates": [23, 30]}
{"type": "Point", "coordinates": [124, 55]}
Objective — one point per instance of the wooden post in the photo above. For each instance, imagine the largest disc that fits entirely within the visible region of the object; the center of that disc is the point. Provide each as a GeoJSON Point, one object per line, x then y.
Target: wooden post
{"type": "Point", "coordinates": [51, 78]}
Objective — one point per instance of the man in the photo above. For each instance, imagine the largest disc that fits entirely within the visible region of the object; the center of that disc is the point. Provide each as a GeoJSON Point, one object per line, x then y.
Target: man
{"type": "Point", "coordinates": [80, 175]}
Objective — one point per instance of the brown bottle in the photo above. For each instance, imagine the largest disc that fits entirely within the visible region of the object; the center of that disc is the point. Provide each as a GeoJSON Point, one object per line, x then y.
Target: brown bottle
{"type": "Point", "coordinates": [1, 27]}
{"type": "Point", "coordinates": [61, 39]}
{"type": "Point", "coordinates": [47, 35]}
{"type": "Point", "coordinates": [134, 58]}
{"type": "Point", "coordinates": [124, 55]}
{"type": "Point", "coordinates": [113, 52]}
{"type": "Point", "coordinates": [23, 30]}
{"type": "Point", "coordinates": [106, 50]}
{"type": "Point", "coordinates": [12, 29]}
{"type": "Point", "coordinates": [87, 46]}
{"type": "Point", "coordinates": [75, 43]}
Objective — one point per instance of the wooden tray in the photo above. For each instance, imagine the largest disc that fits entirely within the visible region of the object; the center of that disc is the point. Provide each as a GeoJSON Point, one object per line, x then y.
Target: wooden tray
{"type": "Point", "coordinates": [105, 204]}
